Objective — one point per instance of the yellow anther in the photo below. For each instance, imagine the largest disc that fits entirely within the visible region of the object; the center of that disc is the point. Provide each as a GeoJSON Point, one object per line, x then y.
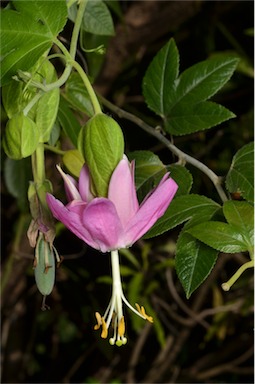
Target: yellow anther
{"type": "Point", "coordinates": [141, 310]}
{"type": "Point", "coordinates": [104, 332]}
{"type": "Point", "coordinates": [121, 327]}
{"type": "Point", "coordinates": [99, 321]}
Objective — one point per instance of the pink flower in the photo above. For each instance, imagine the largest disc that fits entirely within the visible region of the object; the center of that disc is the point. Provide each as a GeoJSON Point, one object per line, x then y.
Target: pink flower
{"type": "Point", "coordinates": [114, 222]}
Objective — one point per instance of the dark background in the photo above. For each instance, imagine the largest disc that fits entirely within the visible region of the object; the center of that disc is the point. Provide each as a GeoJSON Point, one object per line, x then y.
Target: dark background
{"type": "Point", "coordinates": [60, 345]}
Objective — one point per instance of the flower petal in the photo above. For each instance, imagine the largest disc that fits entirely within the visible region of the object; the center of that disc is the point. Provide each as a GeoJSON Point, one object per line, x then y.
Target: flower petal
{"type": "Point", "coordinates": [150, 211]}
{"type": "Point", "coordinates": [71, 216]}
{"type": "Point", "coordinates": [70, 186]}
{"type": "Point", "coordinates": [101, 220]}
{"type": "Point", "coordinates": [122, 191]}
{"type": "Point", "coordinates": [84, 184]}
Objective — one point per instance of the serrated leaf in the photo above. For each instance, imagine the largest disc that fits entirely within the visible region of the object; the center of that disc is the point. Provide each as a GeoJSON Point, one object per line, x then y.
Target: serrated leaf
{"type": "Point", "coordinates": [17, 174]}
{"type": "Point", "coordinates": [240, 177]}
{"type": "Point", "coordinates": [159, 80]}
{"type": "Point", "coordinates": [221, 236]}
{"type": "Point", "coordinates": [194, 208]}
{"type": "Point", "coordinates": [239, 214]}
{"type": "Point", "coordinates": [189, 118]}
{"type": "Point", "coordinates": [68, 121]}
{"type": "Point", "coordinates": [203, 80]}
{"type": "Point", "coordinates": [194, 262]}
{"type": "Point", "coordinates": [182, 177]}
{"type": "Point", "coordinates": [28, 33]}
{"type": "Point", "coordinates": [77, 95]}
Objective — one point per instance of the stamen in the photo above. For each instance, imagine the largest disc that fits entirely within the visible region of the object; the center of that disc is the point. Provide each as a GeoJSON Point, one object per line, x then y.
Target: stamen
{"type": "Point", "coordinates": [121, 327]}
{"type": "Point", "coordinates": [99, 321]}
{"type": "Point", "coordinates": [104, 332]}
{"type": "Point", "coordinates": [141, 310]}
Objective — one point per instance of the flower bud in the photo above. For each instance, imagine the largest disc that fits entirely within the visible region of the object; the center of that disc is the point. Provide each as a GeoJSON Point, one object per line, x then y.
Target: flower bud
{"type": "Point", "coordinates": [101, 143]}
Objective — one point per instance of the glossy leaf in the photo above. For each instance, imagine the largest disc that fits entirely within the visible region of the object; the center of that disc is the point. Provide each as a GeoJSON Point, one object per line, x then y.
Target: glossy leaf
{"type": "Point", "coordinates": [68, 121]}
{"type": "Point", "coordinates": [77, 95]}
{"type": "Point", "coordinates": [221, 236]}
{"type": "Point", "coordinates": [239, 214]}
{"type": "Point", "coordinates": [28, 32]}
{"type": "Point", "coordinates": [188, 118]}
{"type": "Point", "coordinates": [240, 177]}
{"type": "Point", "coordinates": [159, 81]}
{"type": "Point", "coordinates": [194, 262]}
{"type": "Point", "coordinates": [17, 174]}
{"type": "Point", "coordinates": [147, 167]}
{"type": "Point", "coordinates": [181, 102]}
{"type": "Point", "coordinates": [194, 208]}
{"type": "Point", "coordinates": [182, 177]}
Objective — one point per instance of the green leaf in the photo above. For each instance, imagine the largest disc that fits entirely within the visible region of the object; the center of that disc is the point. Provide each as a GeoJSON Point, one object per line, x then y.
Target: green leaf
{"type": "Point", "coordinates": [45, 111]}
{"type": "Point", "coordinates": [28, 32]}
{"type": "Point", "coordinates": [194, 262]}
{"type": "Point", "coordinates": [182, 177]}
{"type": "Point", "coordinates": [101, 143]}
{"type": "Point", "coordinates": [97, 18]}
{"type": "Point", "coordinates": [221, 236]}
{"type": "Point", "coordinates": [159, 80]}
{"type": "Point", "coordinates": [189, 118]}
{"type": "Point", "coordinates": [194, 208]}
{"type": "Point", "coordinates": [17, 174]}
{"type": "Point", "coordinates": [147, 166]}
{"type": "Point", "coordinates": [239, 214]}
{"type": "Point", "coordinates": [203, 80]}
{"type": "Point", "coordinates": [68, 121]}
{"type": "Point", "coordinates": [77, 95]}
{"type": "Point", "coordinates": [240, 177]}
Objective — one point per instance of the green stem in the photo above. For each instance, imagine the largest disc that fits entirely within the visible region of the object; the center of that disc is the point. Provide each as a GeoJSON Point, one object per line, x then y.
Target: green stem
{"type": "Point", "coordinates": [226, 286]}
{"type": "Point", "coordinates": [181, 155]}
{"type": "Point", "coordinates": [77, 27]}
{"type": "Point", "coordinates": [32, 103]}
{"type": "Point", "coordinates": [54, 149]}
{"type": "Point", "coordinates": [38, 164]}
{"type": "Point", "coordinates": [91, 92]}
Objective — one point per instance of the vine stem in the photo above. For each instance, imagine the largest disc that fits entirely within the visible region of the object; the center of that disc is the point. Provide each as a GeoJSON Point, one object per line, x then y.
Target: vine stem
{"type": "Point", "coordinates": [184, 157]}
{"type": "Point", "coordinates": [38, 164]}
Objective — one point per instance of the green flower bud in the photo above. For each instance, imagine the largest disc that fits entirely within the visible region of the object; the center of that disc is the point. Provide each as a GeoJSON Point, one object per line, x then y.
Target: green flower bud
{"type": "Point", "coordinates": [101, 143]}
{"type": "Point", "coordinates": [21, 137]}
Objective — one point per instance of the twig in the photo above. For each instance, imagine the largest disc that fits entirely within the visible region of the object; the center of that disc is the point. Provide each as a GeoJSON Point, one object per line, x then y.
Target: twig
{"type": "Point", "coordinates": [184, 157]}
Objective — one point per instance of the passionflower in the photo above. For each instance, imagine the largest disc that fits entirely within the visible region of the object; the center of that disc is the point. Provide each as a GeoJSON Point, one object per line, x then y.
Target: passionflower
{"type": "Point", "coordinates": [111, 223]}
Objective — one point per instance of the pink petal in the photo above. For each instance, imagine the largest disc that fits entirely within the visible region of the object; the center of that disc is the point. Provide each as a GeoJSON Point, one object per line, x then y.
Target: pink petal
{"type": "Point", "coordinates": [84, 184]}
{"type": "Point", "coordinates": [70, 186]}
{"type": "Point", "coordinates": [102, 222]}
{"type": "Point", "coordinates": [122, 191]}
{"type": "Point", "coordinates": [150, 211]}
{"type": "Point", "coordinates": [71, 218]}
